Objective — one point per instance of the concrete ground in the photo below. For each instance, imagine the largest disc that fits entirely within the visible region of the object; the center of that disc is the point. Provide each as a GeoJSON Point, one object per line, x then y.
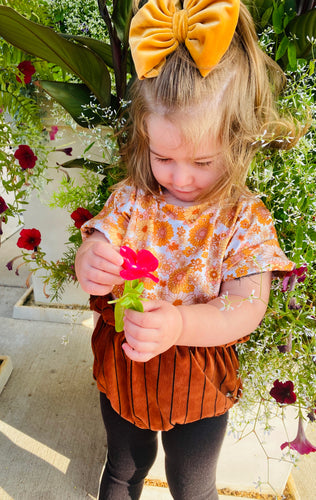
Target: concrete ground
{"type": "Point", "coordinates": [53, 443]}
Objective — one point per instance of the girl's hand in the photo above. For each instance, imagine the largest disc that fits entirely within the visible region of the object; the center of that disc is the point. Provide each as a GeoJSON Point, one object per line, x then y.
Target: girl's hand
{"type": "Point", "coordinates": [153, 331]}
{"type": "Point", "coordinates": [98, 265]}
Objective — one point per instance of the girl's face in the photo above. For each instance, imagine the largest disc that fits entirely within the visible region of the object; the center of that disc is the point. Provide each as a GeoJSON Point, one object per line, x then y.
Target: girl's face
{"type": "Point", "coordinates": [184, 170]}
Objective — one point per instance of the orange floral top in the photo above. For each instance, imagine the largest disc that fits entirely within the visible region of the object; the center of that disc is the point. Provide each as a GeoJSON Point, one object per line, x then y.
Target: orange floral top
{"type": "Point", "coordinates": [198, 248]}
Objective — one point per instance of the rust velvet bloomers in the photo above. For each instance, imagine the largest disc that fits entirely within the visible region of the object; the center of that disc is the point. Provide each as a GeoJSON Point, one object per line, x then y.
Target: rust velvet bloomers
{"type": "Point", "coordinates": [182, 385]}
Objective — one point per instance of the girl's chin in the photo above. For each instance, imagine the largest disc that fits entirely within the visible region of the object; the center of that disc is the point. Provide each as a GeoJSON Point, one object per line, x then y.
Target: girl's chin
{"type": "Point", "coordinates": [176, 196]}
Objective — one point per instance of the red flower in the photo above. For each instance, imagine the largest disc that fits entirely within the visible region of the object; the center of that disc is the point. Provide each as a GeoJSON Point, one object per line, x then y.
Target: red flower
{"type": "Point", "coordinates": [291, 277]}
{"type": "Point", "coordinates": [25, 157]}
{"type": "Point", "coordinates": [283, 392]}
{"type": "Point", "coordinates": [53, 131]}
{"type": "Point", "coordinates": [3, 205]}
{"type": "Point", "coordinates": [80, 216]}
{"type": "Point", "coordinates": [300, 443]}
{"type": "Point", "coordinates": [138, 265]}
{"type": "Point", "coordinates": [29, 239]}
{"type": "Point", "coordinates": [27, 69]}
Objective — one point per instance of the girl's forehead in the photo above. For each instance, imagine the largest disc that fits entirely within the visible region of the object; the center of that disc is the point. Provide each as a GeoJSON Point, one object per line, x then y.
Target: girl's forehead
{"type": "Point", "coordinates": [170, 134]}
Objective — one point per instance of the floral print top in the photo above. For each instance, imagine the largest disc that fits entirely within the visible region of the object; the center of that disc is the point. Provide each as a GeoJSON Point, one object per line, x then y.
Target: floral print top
{"type": "Point", "coordinates": [198, 247]}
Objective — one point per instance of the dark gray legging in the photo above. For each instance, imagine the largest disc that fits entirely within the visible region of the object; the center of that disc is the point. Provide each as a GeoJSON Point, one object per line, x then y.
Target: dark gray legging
{"type": "Point", "coordinates": [191, 455]}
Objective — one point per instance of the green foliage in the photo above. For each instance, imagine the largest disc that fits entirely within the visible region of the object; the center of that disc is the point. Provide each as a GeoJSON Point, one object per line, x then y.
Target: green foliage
{"type": "Point", "coordinates": [43, 42]}
{"type": "Point", "coordinates": [291, 36]}
{"type": "Point", "coordinates": [286, 181]}
{"type": "Point", "coordinates": [130, 299]}
{"type": "Point", "coordinates": [92, 61]}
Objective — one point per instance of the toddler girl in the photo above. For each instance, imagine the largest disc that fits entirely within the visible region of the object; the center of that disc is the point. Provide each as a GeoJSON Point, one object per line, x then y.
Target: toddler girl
{"type": "Point", "coordinates": [201, 100]}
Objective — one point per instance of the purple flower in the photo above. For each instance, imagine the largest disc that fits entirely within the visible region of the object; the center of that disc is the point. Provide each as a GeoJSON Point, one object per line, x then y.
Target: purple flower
{"type": "Point", "coordinates": [300, 443]}
{"type": "Point", "coordinates": [283, 392]}
{"type": "Point", "coordinates": [3, 205]}
{"type": "Point", "coordinates": [9, 264]}
{"type": "Point", "coordinates": [138, 265]}
{"type": "Point", "coordinates": [67, 151]}
{"type": "Point", "coordinates": [291, 277]}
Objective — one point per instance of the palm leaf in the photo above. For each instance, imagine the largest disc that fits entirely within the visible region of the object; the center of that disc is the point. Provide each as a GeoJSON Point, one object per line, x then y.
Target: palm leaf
{"type": "Point", "coordinates": [43, 42]}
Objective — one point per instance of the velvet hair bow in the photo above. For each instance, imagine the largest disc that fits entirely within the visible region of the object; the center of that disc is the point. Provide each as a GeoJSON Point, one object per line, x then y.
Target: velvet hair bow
{"type": "Point", "coordinates": [206, 27]}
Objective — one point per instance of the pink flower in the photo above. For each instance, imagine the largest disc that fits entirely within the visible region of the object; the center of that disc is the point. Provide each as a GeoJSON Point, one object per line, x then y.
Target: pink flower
{"type": "Point", "coordinates": [138, 265]}
{"type": "Point", "coordinates": [25, 157]}
{"type": "Point", "coordinates": [3, 205]}
{"type": "Point", "coordinates": [80, 216]}
{"type": "Point", "coordinates": [283, 392]}
{"type": "Point", "coordinates": [27, 69]}
{"type": "Point", "coordinates": [300, 443]}
{"type": "Point", "coordinates": [53, 131]}
{"type": "Point", "coordinates": [291, 277]}
{"type": "Point", "coordinates": [29, 239]}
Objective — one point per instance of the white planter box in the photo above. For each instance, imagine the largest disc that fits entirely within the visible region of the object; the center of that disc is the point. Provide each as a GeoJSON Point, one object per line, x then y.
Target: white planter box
{"type": "Point", "coordinates": [25, 308]}
{"type": "Point", "coordinates": [5, 370]}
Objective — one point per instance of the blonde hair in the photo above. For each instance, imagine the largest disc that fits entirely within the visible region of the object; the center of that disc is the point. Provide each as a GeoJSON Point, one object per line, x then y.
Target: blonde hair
{"type": "Point", "coordinates": [234, 104]}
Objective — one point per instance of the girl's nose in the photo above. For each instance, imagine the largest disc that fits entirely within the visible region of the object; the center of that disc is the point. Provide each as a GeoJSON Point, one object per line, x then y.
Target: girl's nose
{"type": "Point", "coordinates": [182, 176]}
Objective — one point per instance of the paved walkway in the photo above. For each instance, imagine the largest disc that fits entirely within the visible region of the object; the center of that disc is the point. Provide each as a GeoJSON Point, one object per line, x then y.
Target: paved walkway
{"type": "Point", "coordinates": [53, 443]}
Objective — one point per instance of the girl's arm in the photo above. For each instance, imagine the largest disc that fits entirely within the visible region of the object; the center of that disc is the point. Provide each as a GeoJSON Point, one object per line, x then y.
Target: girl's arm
{"type": "Point", "coordinates": [234, 314]}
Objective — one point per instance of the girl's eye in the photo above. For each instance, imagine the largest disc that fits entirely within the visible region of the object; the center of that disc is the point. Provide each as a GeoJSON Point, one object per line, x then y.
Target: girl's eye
{"type": "Point", "coordinates": [162, 160]}
{"type": "Point", "coordinates": [202, 164]}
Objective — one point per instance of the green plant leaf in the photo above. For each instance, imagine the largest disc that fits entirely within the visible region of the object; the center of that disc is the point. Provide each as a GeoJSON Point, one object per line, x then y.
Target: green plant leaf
{"type": "Point", "coordinates": [291, 53]}
{"type": "Point", "coordinates": [43, 42]}
{"type": "Point", "coordinates": [277, 18]}
{"type": "Point", "coordinates": [122, 15]}
{"type": "Point", "coordinates": [101, 48]}
{"type": "Point", "coordinates": [266, 16]}
{"type": "Point", "coordinates": [74, 97]}
{"type": "Point", "coordinates": [282, 48]}
{"type": "Point", "coordinates": [118, 316]}
{"type": "Point", "coordinates": [303, 27]}
{"type": "Point", "coordinates": [95, 166]}
{"type": "Point", "coordinates": [137, 305]}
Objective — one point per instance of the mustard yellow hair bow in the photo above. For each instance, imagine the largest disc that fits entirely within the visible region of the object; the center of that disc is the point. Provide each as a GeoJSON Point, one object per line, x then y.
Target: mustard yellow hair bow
{"type": "Point", "coordinates": [206, 27]}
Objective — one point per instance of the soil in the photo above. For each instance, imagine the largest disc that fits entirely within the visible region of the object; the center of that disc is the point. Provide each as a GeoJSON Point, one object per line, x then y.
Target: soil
{"type": "Point", "coordinates": [240, 494]}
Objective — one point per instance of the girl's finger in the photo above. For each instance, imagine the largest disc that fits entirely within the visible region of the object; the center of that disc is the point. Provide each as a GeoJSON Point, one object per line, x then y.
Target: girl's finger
{"type": "Point", "coordinates": [136, 355]}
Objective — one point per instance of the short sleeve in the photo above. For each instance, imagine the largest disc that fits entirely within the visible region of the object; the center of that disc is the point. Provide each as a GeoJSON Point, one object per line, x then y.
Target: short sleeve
{"type": "Point", "coordinates": [113, 219]}
{"type": "Point", "coordinates": [253, 247]}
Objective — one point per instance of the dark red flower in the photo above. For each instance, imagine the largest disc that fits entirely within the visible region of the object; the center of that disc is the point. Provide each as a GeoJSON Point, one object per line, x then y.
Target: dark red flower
{"type": "Point", "coordinates": [27, 69]}
{"type": "Point", "coordinates": [291, 277]}
{"type": "Point", "coordinates": [283, 392]}
{"type": "Point", "coordinates": [3, 205]}
{"type": "Point", "coordinates": [138, 265]}
{"type": "Point", "coordinates": [53, 131]}
{"type": "Point", "coordinates": [300, 443]}
{"type": "Point", "coordinates": [25, 157]}
{"type": "Point", "coordinates": [29, 239]}
{"type": "Point", "coordinates": [80, 216]}
{"type": "Point", "coordinates": [67, 151]}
